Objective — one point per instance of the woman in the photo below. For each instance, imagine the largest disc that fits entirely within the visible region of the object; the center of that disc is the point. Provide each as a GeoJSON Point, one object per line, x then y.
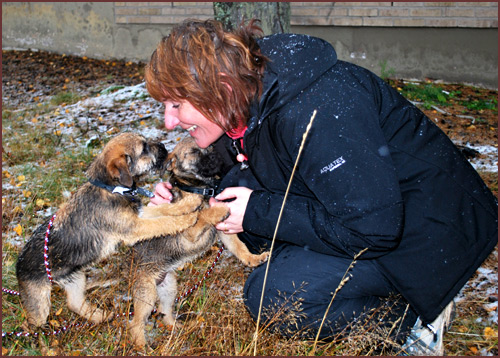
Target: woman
{"type": "Point", "coordinates": [377, 180]}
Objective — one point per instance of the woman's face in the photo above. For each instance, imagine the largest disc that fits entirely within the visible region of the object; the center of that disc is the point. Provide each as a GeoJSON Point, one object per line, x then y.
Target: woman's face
{"type": "Point", "coordinates": [183, 114]}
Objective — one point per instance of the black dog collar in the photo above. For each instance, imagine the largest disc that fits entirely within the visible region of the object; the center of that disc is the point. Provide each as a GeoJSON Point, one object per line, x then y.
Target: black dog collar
{"type": "Point", "coordinates": [122, 190]}
{"type": "Point", "coordinates": [202, 191]}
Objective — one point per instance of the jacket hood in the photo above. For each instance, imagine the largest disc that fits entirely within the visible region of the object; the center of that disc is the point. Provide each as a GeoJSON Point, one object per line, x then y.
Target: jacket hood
{"type": "Point", "coordinates": [297, 61]}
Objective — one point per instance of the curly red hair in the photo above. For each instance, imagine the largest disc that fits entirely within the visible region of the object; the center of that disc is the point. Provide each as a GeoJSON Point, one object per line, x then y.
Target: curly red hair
{"type": "Point", "coordinates": [218, 72]}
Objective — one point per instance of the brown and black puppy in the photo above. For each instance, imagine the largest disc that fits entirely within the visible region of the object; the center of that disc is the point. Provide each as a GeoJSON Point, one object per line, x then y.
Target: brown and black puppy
{"type": "Point", "coordinates": [189, 166]}
{"type": "Point", "coordinates": [99, 216]}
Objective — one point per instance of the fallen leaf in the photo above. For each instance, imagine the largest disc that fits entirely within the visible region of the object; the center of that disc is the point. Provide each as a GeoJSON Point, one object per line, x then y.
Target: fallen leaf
{"type": "Point", "coordinates": [54, 323]}
{"type": "Point", "coordinates": [473, 349]}
{"type": "Point", "coordinates": [18, 229]}
{"type": "Point", "coordinates": [490, 333]}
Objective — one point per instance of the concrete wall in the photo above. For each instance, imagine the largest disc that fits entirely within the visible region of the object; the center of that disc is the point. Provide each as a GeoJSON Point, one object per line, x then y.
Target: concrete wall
{"type": "Point", "coordinates": [452, 52]}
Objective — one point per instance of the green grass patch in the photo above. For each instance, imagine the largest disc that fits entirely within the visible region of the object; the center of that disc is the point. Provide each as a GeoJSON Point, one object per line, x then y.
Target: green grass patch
{"type": "Point", "coordinates": [481, 105]}
{"type": "Point", "coordinates": [111, 89]}
{"type": "Point", "coordinates": [428, 94]}
{"type": "Point", "coordinates": [65, 97]}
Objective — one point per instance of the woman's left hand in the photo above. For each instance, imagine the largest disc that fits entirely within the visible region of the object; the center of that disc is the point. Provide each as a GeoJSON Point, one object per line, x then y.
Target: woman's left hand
{"type": "Point", "coordinates": [234, 223]}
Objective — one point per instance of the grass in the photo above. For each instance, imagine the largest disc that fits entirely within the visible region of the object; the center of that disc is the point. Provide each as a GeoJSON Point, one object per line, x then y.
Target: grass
{"type": "Point", "coordinates": [42, 166]}
{"type": "Point", "coordinates": [65, 97]}
{"type": "Point", "coordinates": [428, 94]}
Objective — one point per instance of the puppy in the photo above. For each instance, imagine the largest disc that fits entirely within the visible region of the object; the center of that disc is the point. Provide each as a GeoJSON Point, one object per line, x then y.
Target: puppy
{"type": "Point", "coordinates": [189, 166]}
{"type": "Point", "coordinates": [102, 214]}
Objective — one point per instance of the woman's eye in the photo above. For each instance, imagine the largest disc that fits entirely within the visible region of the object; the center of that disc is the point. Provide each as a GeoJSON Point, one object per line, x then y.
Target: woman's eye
{"type": "Point", "coordinates": [176, 105]}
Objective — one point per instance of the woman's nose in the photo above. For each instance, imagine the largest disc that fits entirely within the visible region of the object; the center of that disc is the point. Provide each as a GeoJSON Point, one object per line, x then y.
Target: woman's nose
{"type": "Point", "coordinates": [171, 121]}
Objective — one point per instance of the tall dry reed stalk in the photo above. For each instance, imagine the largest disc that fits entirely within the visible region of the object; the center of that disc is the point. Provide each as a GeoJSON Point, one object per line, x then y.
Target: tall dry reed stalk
{"type": "Point", "coordinates": [304, 137]}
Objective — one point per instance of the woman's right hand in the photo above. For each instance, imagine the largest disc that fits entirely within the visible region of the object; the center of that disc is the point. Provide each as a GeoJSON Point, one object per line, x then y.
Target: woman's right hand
{"type": "Point", "coordinates": [162, 194]}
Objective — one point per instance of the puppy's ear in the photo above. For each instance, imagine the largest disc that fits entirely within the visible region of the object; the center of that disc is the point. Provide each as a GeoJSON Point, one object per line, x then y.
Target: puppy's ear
{"type": "Point", "coordinates": [118, 170]}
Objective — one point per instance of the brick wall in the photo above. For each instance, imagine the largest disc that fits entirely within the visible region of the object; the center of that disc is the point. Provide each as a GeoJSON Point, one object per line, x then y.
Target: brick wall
{"type": "Point", "coordinates": [381, 14]}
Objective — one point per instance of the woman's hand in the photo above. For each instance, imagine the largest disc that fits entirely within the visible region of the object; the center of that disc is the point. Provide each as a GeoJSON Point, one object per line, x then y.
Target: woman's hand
{"type": "Point", "coordinates": [234, 223]}
{"type": "Point", "coordinates": [162, 194]}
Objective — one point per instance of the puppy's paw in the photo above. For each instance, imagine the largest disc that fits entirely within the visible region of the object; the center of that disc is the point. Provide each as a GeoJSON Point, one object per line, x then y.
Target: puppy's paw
{"type": "Point", "coordinates": [31, 328]}
{"type": "Point", "coordinates": [255, 260]}
{"type": "Point", "coordinates": [99, 316]}
{"type": "Point", "coordinates": [214, 214]}
{"type": "Point", "coordinates": [136, 335]}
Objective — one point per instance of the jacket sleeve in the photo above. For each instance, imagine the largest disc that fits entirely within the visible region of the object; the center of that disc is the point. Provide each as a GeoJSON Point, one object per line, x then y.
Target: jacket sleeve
{"type": "Point", "coordinates": [345, 195]}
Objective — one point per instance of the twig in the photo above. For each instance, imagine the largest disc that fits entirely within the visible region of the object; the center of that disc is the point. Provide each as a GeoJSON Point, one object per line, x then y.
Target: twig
{"type": "Point", "coordinates": [442, 111]}
{"type": "Point", "coordinates": [304, 136]}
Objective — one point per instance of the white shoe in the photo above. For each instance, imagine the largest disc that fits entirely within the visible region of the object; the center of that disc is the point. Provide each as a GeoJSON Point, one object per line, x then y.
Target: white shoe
{"type": "Point", "coordinates": [428, 340]}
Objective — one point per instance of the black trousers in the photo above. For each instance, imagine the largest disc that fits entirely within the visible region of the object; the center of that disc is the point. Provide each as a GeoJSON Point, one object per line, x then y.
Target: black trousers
{"type": "Point", "coordinates": [300, 286]}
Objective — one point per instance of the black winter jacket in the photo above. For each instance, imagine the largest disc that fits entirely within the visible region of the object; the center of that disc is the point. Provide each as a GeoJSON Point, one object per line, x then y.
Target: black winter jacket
{"type": "Point", "coordinates": [375, 173]}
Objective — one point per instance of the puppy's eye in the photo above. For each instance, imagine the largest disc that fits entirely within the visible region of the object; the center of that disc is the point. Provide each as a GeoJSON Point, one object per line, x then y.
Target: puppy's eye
{"type": "Point", "coordinates": [145, 148]}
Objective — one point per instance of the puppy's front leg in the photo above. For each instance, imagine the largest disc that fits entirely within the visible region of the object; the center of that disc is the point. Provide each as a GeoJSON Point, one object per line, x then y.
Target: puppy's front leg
{"type": "Point", "coordinates": [148, 228]}
{"type": "Point", "coordinates": [239, 249]}
{"type": "Point", "coordinates": [186, 205]}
